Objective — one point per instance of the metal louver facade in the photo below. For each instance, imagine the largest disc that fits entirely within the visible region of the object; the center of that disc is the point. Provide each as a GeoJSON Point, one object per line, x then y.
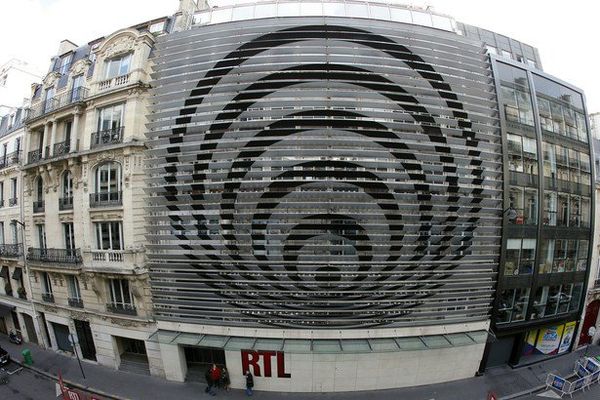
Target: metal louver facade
{"type": "Point", "coordinates": [323, 173]}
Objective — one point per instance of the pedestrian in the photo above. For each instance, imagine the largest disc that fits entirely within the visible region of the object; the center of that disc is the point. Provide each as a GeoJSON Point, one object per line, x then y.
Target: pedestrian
{"type": "Point", "coordinates": [209, 382]}
{"type": "Point", "coordinates": [249, 383]}
{"type": "Point", "coordinates": [215, 377]}
{"type": "Point", "coordinates": [225, 381]}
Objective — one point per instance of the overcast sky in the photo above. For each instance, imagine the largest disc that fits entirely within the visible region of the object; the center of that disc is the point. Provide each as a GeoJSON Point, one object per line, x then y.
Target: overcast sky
{"type": "Point", "coordinates": [566, 33]}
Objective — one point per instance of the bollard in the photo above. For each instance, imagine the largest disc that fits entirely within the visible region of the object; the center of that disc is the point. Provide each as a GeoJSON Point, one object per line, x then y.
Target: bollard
{"type": "Point", "coordinates": [27, 360]}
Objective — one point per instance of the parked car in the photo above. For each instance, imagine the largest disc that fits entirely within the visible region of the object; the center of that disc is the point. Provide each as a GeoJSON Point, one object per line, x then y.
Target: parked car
{"type": "Point", "coordinates": [4, 357]}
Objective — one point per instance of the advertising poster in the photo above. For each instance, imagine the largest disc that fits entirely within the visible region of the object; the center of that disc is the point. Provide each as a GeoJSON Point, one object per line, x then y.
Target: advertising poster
{"type": "Point", "coordinates": [567, 337]}
{"type": "Point", "coordinates": [530, 343]}
{"type": "Point", "coordinates": [549, 339]}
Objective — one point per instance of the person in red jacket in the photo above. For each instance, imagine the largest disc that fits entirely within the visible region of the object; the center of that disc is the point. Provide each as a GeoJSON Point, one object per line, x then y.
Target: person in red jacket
{"type": "Point", "coordinates": [215, 374]}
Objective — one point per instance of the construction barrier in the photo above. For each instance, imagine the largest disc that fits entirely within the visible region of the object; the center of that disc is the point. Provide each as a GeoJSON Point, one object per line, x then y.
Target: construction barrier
{"type": "Point", "coordinates": [587, 371]}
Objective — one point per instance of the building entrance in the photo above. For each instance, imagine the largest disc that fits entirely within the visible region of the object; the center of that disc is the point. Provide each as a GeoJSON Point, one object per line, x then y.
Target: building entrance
{"type": "Point", "coordinates": [199, 359]}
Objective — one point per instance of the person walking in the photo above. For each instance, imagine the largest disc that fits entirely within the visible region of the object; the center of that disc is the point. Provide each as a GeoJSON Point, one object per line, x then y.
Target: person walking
{"type": "Point", "coordinates": [249, 383]}
{"type": "Point", "coordinates": [209, 382]}
{"type": "Point", "coordinates": [215, 378]}
{"type": "Point", "coordinates": [225, 381]}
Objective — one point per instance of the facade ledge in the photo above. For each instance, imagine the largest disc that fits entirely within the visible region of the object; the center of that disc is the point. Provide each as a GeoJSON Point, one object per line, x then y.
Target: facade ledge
{"type": "Point", "coordinates": [54, 267]}
{"type": "Point", "coordinates": [15, 301]}
{"type": "Point", "coordinates": [116, 319]}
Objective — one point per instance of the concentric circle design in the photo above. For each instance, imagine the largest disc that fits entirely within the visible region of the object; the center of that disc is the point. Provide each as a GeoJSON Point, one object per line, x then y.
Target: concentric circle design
{"type": "Point", "coordinates": [322, 175]}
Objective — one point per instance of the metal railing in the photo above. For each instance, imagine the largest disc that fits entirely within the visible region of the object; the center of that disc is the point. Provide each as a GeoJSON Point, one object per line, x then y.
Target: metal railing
{"type": "Point", "coordinates": [113, 82]}
{"type": "Point", "coordinates": [106, 199]}
{"type": "Point", "coordinates": [65, 203]}
{"type": "Point", "coordinates": [38, 206]}
{"type": "Point", "coordinates": [34, 156]}
{"type": "Point", "coordinates": [46, 106]}
{"type": "Point", "coordinates": [10, 159]}
{"type": "Point", "coordinates": [48, 297]}
{"type": "Point", "coordinates": [75, 302]}
{"type": "Point", "coordinates": [11, 250]}
{"type": "Point", "coordinates": [63, 256]}
{"type": "Point", "coordinates": [61, 148]}
{"type": "Point", "coordinates": [107, 137]}
{"type": "Point", "coordinates": [121, 308]}
{"type": "Point", "coordinates": [13, 201]}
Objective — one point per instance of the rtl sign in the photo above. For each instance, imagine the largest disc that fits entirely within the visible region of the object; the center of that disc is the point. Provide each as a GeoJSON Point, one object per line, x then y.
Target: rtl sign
{"type": "Point", "coordinates": [253, 357]}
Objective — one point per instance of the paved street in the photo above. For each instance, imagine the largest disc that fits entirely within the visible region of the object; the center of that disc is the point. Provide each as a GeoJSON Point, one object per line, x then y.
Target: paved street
{"type": "Point", "coordinates": [504, 381]}
{"type": "Point", "coordinates": [26, 385]}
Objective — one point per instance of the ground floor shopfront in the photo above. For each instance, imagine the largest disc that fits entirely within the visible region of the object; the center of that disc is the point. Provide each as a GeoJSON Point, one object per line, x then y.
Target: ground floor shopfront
{"type": "Point", "coordinates": [531, 345]}
{"type": "Point", "coordinates": [120, 343]}
{"type": "Point", "coordinates": [323, 361]}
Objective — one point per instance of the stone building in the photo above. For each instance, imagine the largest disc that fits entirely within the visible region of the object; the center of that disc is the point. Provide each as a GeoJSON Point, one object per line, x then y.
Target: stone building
{"type": "Point", "coordinates": [83, 199]}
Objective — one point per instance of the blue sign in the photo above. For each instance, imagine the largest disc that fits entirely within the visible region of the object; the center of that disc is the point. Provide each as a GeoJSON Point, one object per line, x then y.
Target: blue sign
{"type": "Point", "coordinates": [581, 370]}
{"type": "Point", "coordinates": [558, 383]}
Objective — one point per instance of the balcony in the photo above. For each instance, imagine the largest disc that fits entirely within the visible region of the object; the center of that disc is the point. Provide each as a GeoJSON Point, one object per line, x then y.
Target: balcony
{"type": "Point", "coordinates": [10, 159]}
{"type": "Point", "coordinates": [75, 302]}
{"type": "Point", "coordinates": [11, 250]}
{"type": "Point", "coordinates": [38, 206]}
{"type": "Point", "coordinates": [108, 256]}
{"type": "Point", "coordinates": [112, 83]}
{"type": "Point", "coordinates": [65, 203]}
{"type": "Point", "coordinates": [107, 137]}
{"type": "Point", "coordinates": [106, 199]}
{"type": "Point", "coordinates": [61, 148]}
{"type": "Point", "coordinates": [113, 261]}
{"type": "Point", "coordinates": [48, 297]}
{"type": "Point", "coordinates": [121, 308]}
{"type": "Point", "coordinates": [13, 201]}
{"type": "Point", "coordinates": [34, 156]}
{"type": "Point", "coordinates": [62, 256]}
{"type": "Point", "coordinates": [47, 106]}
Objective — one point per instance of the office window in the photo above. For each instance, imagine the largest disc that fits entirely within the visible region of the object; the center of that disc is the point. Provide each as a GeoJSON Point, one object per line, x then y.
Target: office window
{"type": "Point", "coordinates": [108, 178]}
{"type": "Point", "coordinates": [118, 66]}
{"type": "Point", "coordinates": [513, 305]}
{"type": "Point", "coordinates": [109, 235]}
{"type": "Point", "coordinates": [2, 233]}
{"type": "Point", "coordinates": [46, 283]}
{"type": "Point", "coordinates": [14, 189]}
{"type": "Point", "coordinates": [69, 235]}
{"type": "Point", "coordinates": [74, 290]}
{"type": "Point", "coordinates": [110, 118]}
{"type": "Point", "coordinates": [14, 232]}
{"type": "Point", "coordinates": [65, 63]}
{"type": "Point", "coordinates": [67, 185]}
{"type": "Point", "coordinates": [41, 236]}
{"type": "Point", "coordinates": [120, 295]}
{"type": "Point", "coordinates": [520, 256]}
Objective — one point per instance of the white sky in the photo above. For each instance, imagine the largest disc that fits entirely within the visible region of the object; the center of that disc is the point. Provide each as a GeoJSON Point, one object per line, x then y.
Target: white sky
{"type": "Point", "coordinates": [566, 33]}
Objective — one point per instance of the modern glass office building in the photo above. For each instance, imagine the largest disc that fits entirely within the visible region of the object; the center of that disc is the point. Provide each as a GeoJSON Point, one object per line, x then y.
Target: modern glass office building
{"type": "Point", "coordinates": [338, 184]}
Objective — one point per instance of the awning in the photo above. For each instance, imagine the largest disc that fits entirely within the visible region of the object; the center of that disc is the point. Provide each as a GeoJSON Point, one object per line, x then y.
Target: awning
{"type": "Point", "coordinates": [17, 274]}
{"type": "Point", "coordinates": [5, 309]}
{"type": "Point", "coordinates": [4, 272]}
{"type": "Point", "coordinates": [321, 345]}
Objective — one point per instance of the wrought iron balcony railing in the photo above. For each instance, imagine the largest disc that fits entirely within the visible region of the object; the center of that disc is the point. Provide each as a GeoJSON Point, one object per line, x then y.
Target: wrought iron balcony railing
{"type": "Point", "coordinates": [75, 302]}
{"type": "Point", "coordinates": [106, 199]}
{"type": "Point", "coordinates": [34, 156]}
{"type": "Point", "coordinates": [48, 297]}
{"type": "Point", "coordinates": [13, 201]}
{"type": "Point", "coordinates": [65, 203]}
{"type": "Point", "coordinates": [61, 148]}
{"type": "Point", "coordinates": [46, 106]}
{"type": "Point", "coordinates": [10, 159]}
{"type": "Point", "coordinates": [121, 308]}
{"type": "Point", "coordinates": [11, 250]}
{"type": "Point", "coordinates": [38, 206]}
{"type": "Point", "coordinates": [62, 256]}
{"type": "Point", "coordinates": [107, 137]}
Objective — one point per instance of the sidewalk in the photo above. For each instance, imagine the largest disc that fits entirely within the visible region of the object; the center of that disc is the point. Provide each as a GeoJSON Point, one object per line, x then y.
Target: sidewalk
{"type": "Point", "coordinates": [504, 381]}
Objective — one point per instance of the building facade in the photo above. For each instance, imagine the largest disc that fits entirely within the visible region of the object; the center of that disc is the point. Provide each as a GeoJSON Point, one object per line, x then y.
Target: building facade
{"type": "Point", "coordinates": [83, 200]}
{"type": "Point", "coordinates": [16, 311]}
{"type": "Point", "coordinates": [335, 195]}
{"type": "Point", "coordinates": [339, 186]}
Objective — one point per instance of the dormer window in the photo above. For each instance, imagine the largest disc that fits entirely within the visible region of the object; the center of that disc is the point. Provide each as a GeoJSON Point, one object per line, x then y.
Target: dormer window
{"type": "Point", "coordinates": [65, 63]}
{"type": "Point", "coordinates": [118, 66]}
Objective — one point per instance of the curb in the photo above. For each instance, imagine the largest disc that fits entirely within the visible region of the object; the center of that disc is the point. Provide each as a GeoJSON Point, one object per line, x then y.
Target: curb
{"type": "Point", "coordinates": [69, 382]}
